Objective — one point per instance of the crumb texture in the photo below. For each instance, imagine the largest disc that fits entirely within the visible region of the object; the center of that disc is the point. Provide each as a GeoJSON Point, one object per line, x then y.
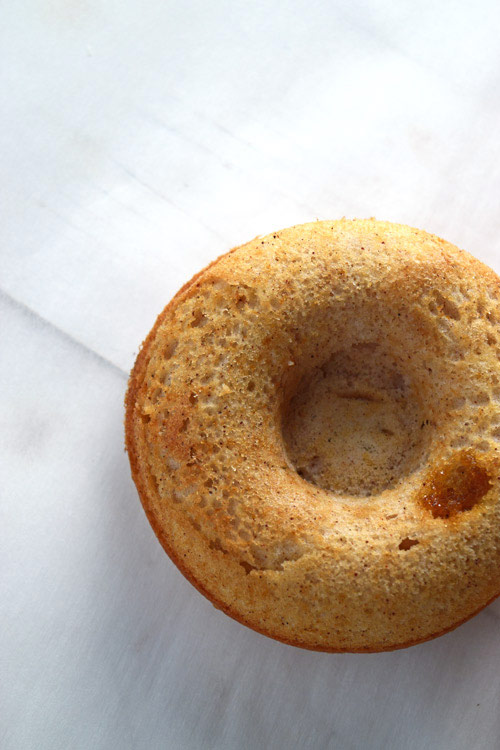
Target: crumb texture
{"type": "Point", "coordinates": [313, 426]}
{"type": "Point", "coordinates": [354, 425]}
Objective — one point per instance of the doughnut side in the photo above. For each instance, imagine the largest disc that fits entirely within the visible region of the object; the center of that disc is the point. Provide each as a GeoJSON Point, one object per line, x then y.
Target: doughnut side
{"type": "Point", "coordinates": [281, 544]}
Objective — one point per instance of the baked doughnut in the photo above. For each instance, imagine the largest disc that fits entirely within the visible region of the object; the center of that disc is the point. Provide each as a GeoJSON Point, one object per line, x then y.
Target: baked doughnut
{"type": "Point", "coordinates": [313, 426]}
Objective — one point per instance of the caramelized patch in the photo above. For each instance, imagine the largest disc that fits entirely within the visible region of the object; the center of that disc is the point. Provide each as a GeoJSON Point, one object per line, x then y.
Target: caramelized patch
{"type": "Point", "coordinates": [457, 486]}
{"type": "Point", "coordinates": [407, 544]}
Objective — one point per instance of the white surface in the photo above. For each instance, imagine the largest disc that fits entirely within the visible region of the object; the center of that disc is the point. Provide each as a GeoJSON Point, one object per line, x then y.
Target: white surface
{"type": "Point", "coordinates": [139, 141]}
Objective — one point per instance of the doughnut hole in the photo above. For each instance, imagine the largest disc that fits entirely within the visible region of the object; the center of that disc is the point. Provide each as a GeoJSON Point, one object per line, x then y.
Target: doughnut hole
{"type": "Point", "coordinates": [355, 425]}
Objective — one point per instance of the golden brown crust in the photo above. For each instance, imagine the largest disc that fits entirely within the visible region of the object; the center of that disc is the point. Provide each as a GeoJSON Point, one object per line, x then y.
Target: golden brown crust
{"type": "Point", "coordinates": [251, 584]}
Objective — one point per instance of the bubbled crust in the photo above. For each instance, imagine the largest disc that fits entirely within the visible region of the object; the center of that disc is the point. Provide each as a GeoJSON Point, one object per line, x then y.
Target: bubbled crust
{"type": "Point", "coordinates": [317, 568]}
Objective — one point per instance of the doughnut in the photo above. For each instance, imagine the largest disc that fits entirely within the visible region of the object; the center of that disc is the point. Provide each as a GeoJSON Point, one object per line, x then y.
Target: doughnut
{"type": "Point", "coordinates": [313, 427]}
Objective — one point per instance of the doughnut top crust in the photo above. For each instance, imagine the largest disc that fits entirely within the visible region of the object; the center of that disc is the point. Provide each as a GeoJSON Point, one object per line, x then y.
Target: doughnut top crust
{"type": "Point", "coordinates": [313, 426]}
